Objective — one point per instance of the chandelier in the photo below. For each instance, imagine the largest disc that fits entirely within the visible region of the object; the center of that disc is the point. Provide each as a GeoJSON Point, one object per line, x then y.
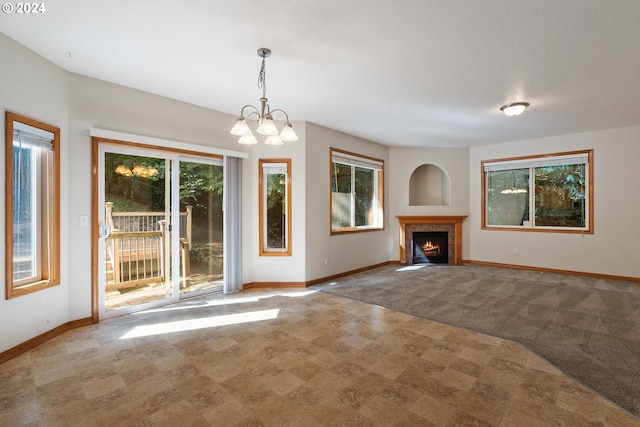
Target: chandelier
{"type": "Point", "coordinates": [266, 126]}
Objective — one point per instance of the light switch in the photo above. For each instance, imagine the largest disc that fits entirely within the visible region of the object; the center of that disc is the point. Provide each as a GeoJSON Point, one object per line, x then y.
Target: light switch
{"type": "Point", "coordinates": [84, 220]}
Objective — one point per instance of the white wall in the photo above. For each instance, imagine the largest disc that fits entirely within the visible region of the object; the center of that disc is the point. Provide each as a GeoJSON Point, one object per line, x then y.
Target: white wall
{"type": "Point", "coordinates": [402, 162]}
{"type": "Point", "coordinates": [348, 251]}
{"type": "Point", "coordinates": [35, 88]}
{"type": "Point", "coordinates": [263, 268]}
{"type": "Point", "coordinates": [612, 249]}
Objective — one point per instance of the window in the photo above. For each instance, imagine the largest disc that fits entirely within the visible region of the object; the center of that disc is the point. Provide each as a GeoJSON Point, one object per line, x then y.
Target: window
{"type": "Point", "coordinates": [541, 193]}
{"type": "Point", "coordinates": [356, 192]}
{"type": "Point", "coordinates": [275, 207]}
{"type": "Point", "coordinates": [32, 205]}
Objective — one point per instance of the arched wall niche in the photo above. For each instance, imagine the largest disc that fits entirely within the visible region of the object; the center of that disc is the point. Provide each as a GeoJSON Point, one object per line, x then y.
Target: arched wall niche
{"type": "Point", "coordinates": [429, 185]}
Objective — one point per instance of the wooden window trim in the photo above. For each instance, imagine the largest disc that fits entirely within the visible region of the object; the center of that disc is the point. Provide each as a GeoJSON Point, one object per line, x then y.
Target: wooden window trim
{"type": "Point", "coordinates": [380, 194]}
{"type": "Point", "coordinates": [261, 207]}
{"type": "Point", "coordinates": [590, 224]}
{"type": "Point", "coordinates": [53, 268]}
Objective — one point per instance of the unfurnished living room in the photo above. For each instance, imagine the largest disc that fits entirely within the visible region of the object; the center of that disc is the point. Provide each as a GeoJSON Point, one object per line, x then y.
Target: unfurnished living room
{"type": "Point", "coordinates": [248, 213]}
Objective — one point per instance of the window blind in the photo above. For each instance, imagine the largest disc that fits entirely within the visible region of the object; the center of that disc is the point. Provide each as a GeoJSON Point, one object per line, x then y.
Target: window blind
{"type": "Point", "coordinates": [347, 159]}
{"type": "Point", "coordinates": [274, 168]}
{"type": "Point", "coordinates": [24, 137]}
{"type": "Point", "coordinates": [571, 159]}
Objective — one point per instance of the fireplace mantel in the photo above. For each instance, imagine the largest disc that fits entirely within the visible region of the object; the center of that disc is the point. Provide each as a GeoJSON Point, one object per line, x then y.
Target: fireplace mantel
{"type": "Point", "coordinates": [454, 221]}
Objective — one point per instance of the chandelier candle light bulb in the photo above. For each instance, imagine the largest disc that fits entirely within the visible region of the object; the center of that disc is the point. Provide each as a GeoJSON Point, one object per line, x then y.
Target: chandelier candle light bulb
{"type": "Point", "coordinates": [266, 125]}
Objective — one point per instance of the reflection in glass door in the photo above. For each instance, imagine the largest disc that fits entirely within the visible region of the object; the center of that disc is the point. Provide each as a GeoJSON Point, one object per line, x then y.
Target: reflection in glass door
{"type": "Point", "coordinates": [136, 244]}
{"type": "Point", "coordinates": [201, 191]}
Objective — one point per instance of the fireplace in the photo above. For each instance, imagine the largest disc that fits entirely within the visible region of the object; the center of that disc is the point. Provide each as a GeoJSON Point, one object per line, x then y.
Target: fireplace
{"type": "Point", "coordinates": [430, 247]}
{"type": "Point", "coordinates": [450, 224]}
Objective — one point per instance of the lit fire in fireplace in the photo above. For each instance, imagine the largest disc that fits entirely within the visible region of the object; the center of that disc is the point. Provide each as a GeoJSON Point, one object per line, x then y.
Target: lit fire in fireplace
{"type": "Point", "coordinates": [430, 249]}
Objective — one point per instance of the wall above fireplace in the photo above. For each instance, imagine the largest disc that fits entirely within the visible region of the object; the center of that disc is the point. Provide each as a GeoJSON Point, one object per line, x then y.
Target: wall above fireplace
{"type": "Point", "coordinates": [449, 223]}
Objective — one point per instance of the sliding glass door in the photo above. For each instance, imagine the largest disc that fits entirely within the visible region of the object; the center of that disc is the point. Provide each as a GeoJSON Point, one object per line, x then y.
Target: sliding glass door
{"type": "Point", "coordinates": [160, 218]}
{"type": "Point", "coordinates": [201, 196]}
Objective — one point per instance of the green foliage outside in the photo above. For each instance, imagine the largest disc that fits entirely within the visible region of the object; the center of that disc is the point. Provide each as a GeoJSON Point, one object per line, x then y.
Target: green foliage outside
{"type": "Point", "coordinates": [276, 210]}
{"type": "Point", "coordinates": [560, 196]}
{"type": "Point", "coordinates": [363, 182]}
{"type": "Point", "coordinates": [201, 185]}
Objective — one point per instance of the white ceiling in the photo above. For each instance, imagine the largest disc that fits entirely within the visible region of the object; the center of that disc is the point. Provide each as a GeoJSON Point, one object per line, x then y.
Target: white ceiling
{"type": "Point", "coordinates": [400, 72]}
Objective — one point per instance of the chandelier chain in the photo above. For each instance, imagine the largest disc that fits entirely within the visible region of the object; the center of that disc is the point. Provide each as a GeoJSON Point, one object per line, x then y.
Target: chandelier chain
{"type": "Point", "coordinates": [262, 83]}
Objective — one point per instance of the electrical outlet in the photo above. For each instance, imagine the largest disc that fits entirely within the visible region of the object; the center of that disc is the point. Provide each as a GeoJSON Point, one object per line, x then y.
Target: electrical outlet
{"type": "Point", "coordinates": [326, 261]}
{"type": "Point", "coordinates": [278, 267]}
{"type": "Point", "coordinates": [516, 251]}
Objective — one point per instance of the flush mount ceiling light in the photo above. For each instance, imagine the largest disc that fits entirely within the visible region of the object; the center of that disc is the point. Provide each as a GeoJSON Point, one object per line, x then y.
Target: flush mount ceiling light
{"type": "Point", "coordinates": [514, 109]}
{"type": "Point", "coordinates": [266, 126]}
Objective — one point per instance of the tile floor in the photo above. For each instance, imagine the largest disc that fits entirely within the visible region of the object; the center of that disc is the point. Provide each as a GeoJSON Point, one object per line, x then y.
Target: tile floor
{"type": "Point", "coordinates": [289, 358]}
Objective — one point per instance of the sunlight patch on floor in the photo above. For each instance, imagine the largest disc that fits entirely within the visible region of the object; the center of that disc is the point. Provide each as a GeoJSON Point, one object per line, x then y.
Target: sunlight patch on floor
{"type": "Point", "coordinates": [225, 300]}
{"type": "Point", "coordinates": [201, 323]}
{"type": "Point", "coordinates": [411, 267]}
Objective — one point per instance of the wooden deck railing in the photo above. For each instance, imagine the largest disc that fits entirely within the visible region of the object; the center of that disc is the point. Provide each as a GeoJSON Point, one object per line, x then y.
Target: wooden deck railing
{"type": "Point", "coordinates": [136, 244]}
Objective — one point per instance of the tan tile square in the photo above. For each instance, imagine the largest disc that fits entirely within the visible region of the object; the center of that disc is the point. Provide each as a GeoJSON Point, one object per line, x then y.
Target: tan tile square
{"type": "Point", "coordinates": [453, 377]}
{"type": "Point", "coordinates": [100, 386]}
{"type": "Point", "coordinates": [306, 370]}
{"type": "Point", "coordinates": [481, 358]}
{"type": "Point", "coordinates": [43, 377]}
{"type": "Point", "coordinates": [151, 384]}
{"type": "Point", "coordinates": [400, 394]}
{"type": "Point", "coordinates": [53, 394]}
{"type": "Point", "coordinates": [409, 419]}
{"type": "Point", "coordinates": [477, 406]}
{"type": "Point", "coordinates": [178, 413]}
{"type": "Point", "coordinates": [434, 410]}
{"type": "Point", "coordinates": [247, 390]}
{"type": "Point", "coordinates": [528, 404]}
{"type": "Point", "coordinates": [515, 418]}
{"type": "Point", "coordinates": [306, 420]}
{"type": "Point", "coordinates": [222, 372]}
{"type": "Point", "coordinates": [387, 368]}
{"type": "Point", "coordinates": [276, 411]}
{"type": "Point", "coordinates": [230, 413]}
{"type": "Point", "coordinates": [304, 397]}
{"type": "Point", "coordinates": [112, 405]}
{"type": "Point", "coordinates": [283, 383]}
{"type": "Point", "coordinates": [324, 358]}
{"type": "Point", "coordinates": [70, 413]}
{"type": "Point", "coordinates": [539, 385]}
{"type": "Point", "coordinates": [332, 411]}
{"type": "Point", "coordinates": [505, 366]}
{"type": "Point", "coordinates": [499, 378]}
{"type": "Point", "coordinates": [327, 382]}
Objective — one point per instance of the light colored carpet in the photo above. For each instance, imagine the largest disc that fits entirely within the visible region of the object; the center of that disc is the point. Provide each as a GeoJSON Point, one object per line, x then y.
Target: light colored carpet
{"type": "Point", "coordinates": [588, 327]}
